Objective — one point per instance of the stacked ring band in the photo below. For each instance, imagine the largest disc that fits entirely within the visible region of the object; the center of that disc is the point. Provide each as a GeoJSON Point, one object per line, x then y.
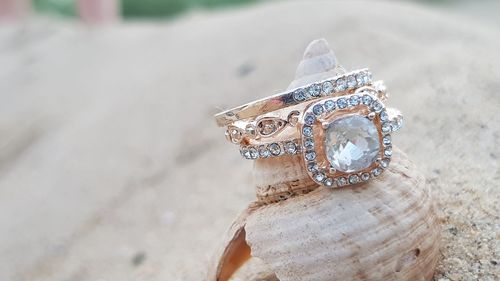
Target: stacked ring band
{"type": "Point", "coordinates": [296, 96]}
{"type": "Point", "coordinates": [339, 127]}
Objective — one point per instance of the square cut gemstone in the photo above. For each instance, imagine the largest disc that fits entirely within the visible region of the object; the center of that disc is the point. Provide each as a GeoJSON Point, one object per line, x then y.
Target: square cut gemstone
{"type": "Point", "coordinates": [351, 143]}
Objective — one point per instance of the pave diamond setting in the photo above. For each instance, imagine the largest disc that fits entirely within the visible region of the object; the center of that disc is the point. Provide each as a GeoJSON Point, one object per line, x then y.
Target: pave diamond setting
{"type": "Point", "coordinates": [275, 149]}
{"type": "Point", "coordinates": [349, 141]}
{"type": "Point", "coordinates": [328, 87]}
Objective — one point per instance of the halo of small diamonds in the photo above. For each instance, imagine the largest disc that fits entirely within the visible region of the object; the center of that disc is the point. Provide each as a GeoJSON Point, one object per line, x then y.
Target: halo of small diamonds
{"type": "Point", "coordinates": [365, 100]}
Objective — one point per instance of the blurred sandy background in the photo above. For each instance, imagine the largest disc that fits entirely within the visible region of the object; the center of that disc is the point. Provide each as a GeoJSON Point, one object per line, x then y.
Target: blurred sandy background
{"type": "Point", "coordinates": [112, 168]}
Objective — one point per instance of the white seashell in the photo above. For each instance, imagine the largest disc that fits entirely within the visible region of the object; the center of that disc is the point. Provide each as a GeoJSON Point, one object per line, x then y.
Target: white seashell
{"type": "Point", "coordinates": [385, 229]}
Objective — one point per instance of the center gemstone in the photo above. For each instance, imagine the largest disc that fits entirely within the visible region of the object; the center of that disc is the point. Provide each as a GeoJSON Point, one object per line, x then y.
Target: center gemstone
{"type": "Point", "coordinates": [351, 143]}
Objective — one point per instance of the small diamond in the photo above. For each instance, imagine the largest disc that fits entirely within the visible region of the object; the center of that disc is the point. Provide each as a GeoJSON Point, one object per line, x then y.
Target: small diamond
{"type": "Point", "coordinates": [264, 152]}
{"type": "Point", "coordinates": [386, 127]}
{"type": "Point", "coordinates": [310, 156]}
{"type": "Point", "coordinates": [354, 100]}
{"type": "Point", "coordinates": [384, 116]}
{"type": "Point", "coordinates": [376, 106]}
{"type": "Point", "coordinates": [341, 103]}
{"type": "Point", "coordinates": [365, 176]}
{"type": "Point", "coordinates": [388, 151]}
{"type": "Point", "coordinates": [328, 182]}
{"type": "Point", "coordinates": [290, 147]}
{"type": "Point", "coordinates": [312, 167]}
{"type": "Point", "coordinates": [318, 109]}
{"type": "Point", "coordinates": [307, 131]}
{"type": "Point", "coordinates": [329, 105]}
{"type": "Point", "coordinates": [246, 154]}
{"type": "Point", "coordinates": [309, 144]}
{"type": "Point", "coordinates": [299, 95]}
{"type": "Point", "coordinates": [267, 127]}
{"type": "Point", "coordinates": [353, 179]}
{"type": "Point", "coordinates": [292, 118]}
{"type": "Point", "coordinates": [235, 135]}
{"type": "Point", "coordinates": [314, 90]}
{"type": "Point", "coordinates": [360, 78]}
{"type": "Point", "coordinates": [351, 81]}
{"type": "Point", "coordinates": [319, 177]}
{"type": "Point", "coordinates": [327, 87]}
{"type": "Point", "coordinates": [332, 170]}
{"type": "Point", "coordinates": [275, 149]}
{"type": "Point", "coordinates": [367, 78]}
{"type": "Point", "coordinates": [342, 181]}
{"type": "Point", "coordinates": [397, 124]}
{"type": "Point", "coordinates": [376, 172]}
{"type": "Point", "coordinates": [367, 100]}
{"type": "Point", "coordinates": [254, 154]}
{"type": "Point", "coordinates": [251, 131]}
{"type": "Point", "coordinates": [309, 119]}
{"type": "Point", "coordinates": [341, 85]}
{"type": "Point", "coordinates": [386, 140]}
{"type": "Point", "coordinates": [384, 163]}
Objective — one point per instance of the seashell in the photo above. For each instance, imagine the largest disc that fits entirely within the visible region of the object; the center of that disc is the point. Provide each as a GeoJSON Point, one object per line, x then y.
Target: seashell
{"type": "Point", "coordinates": [384, 229]}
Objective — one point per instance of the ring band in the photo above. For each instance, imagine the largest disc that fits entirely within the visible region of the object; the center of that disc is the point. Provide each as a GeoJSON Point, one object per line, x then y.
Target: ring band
{"type": "Point", "coordinates": [274, 149]}
{"type": "Point", "coordinates": [268, 126]}
{"type": "Point", "coordinates": [293, 147]}
{"type": "Point", "coordinates": [295, 96]}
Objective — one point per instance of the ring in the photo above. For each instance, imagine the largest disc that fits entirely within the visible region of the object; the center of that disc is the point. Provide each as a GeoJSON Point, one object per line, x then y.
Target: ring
{"type": "Point", "coordinates": [295, 96]}
{"type": "Point", "coordinates": [342, 136]}
{"type": "Point", "coordinates": [347, 140]}
{"type": "Point", "coordinates": [269, 125]}
{"type": "Point", "coordinates": [274, 149]}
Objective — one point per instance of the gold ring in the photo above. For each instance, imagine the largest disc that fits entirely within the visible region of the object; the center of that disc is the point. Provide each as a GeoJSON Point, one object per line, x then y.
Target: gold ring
{"type": "Point", "coordinates": [295, 96]}
{"type": "Point", "coordinates": [342, 135]}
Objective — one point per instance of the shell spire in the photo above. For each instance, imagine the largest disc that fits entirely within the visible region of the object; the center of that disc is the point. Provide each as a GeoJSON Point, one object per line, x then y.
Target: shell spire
{"type": "Point", "coordinates": [318, 62]}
